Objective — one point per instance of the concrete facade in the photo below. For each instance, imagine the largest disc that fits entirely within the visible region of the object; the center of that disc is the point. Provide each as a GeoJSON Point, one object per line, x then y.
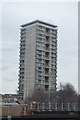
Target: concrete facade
{"type": "Point", "coordinates": [38, 58]}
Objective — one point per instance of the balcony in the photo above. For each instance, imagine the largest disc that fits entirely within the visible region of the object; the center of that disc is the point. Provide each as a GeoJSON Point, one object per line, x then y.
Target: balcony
{"type": "Point", "coordinates": [39, 57]}
{"type": "Point", "coordinates": [39, 31]}
{"type": "Point", "coordinates": [53, 43]}
{"type": "Point", "coordinates": [55, 48]}
{"type": "Point", "coordinates": [22, 43]}
{"type": "Point", "coordinates": [47, 48]}
{"type": "Point", "coordinates": [40, 61]}
{"type": "Point", "coordinates": [46, 61]}
{"type": "Point", "coordinates": [39, 48]}
{"type": "Point", "coordinates": [46, 75]}
{"type": "Point", "coordinates": [46, 87]}
{"type": "Point", "coordinates": [39, 51]}
{"type": "Point", "coordinates": [22, 47]}
{"type": "Point", "coordinates": [21, 69]}
{"type": "Point", "coordinates": [53, 56]}
{"type": "Point", "coordinates": [38, 74]}
{"type": "Point", "coordinates": [54, 32]}
{"type": "Point", "coordinates": [47, 54]}
{"type": "Point", "coordinates": [39, 70]}
{"type": "Point", "coordinates": [47, 69]}
{"type": "Point", "coordinates": [23, 29]}
{"type": "Point", "coordinates": [40, 35]}
{"type": "Point", "coordinates": [48, 31]}
{"type": "Point", "coordinates": [46, 72]}
{"type": "Point", "coordinates": [46, 80]}
{"type": "Point", "coordinates": [22, 60]}
{"type": "Point", "coordinates": [38, 65]}
{"type": "Point", "coordinates": [38, 78]}
{"type": "Point", "coordinates": [54, 63]}
{"type": "Point", "coordinates": [39, 27]}
{"type": "Point", "coordinates": [47, 45]}
{"type": "Point", "coordinates": [21, 72]}
{"type": "Point", "coordinates": [21, 63]}
{"type": "Point", "coordinates": [21, 55]}
{"type": "Point", "coordinates": [21, 66]}
{"type": "Point", "coordinates": [46, 58]}
{"type": "Point", "coordinates": [54, 52]}
{"type": "Point", "coordinates": [47, 42]}
{"type": "Point", "coordinates": [54, 36]}
{"type": "Point", "coordinates": [53, 59]}
{"type": "Point", "coordinates": [23, 32]}
{"type": "Point", "coordinates": [23, 36]}
{"type": "Point", "coordinates": [47, 39]}
{"type": "Point", "coordinates": [46, 65]}
{"type": "Point", "coordinates": [53, 66]}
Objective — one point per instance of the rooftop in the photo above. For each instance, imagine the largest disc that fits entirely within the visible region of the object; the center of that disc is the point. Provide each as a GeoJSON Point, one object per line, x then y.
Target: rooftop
{"type": "Point", "coordinates": [38, 21]}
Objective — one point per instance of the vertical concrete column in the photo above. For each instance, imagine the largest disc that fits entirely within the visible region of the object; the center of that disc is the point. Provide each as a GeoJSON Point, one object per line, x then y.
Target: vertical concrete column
{"type": "Point", "coordinates": [74, 107]}
{"type": "Point", "coordinates": [56, 107]}
{"type": "Point", "coordinates": [68, 106]}
{"type": "Point", "coordinates": [43, 106]}
{"type": "Point", "coordinates": [49, 106]}
{"type": "Point", "coordinates": [31, 106]}
{"type": "Point", "coordinates": [9, 116]}
{"type": "Point", "coordinates": [38, 107]}
{"type": "Point", "coordinates": [25, 110]}
{"type": "Point", "coordinates": [62, 107]}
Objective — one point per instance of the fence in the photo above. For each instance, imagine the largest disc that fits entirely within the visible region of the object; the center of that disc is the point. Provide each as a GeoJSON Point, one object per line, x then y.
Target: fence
{"type": "Point", "coordinates": [28, 109]}
{"type": "Point", "coordinates": [53, 106]}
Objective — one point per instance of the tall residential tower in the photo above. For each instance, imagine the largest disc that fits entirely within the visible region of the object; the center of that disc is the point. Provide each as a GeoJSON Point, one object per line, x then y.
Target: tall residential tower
{"type": "Point", "coordinates": [38, 58]}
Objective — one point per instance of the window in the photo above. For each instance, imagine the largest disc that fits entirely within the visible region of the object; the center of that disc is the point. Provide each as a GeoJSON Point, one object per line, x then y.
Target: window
{"type": "Point", "coordinates": [39, 68]}
{"type": "Point", "coordinates": [46, 87]}
{"type": "Point", "coordinates": [41, 27]}
{"type": "Point", "coordinates": [47, 30]}
{"type": "Point", "coordinates": [39, 80]}
{"type": "Point", "coordinates": [46, 79]}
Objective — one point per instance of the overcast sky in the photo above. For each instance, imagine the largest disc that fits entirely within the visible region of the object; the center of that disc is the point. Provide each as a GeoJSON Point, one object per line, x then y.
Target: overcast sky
{"type": "Point", "coordinates": [64, 15]}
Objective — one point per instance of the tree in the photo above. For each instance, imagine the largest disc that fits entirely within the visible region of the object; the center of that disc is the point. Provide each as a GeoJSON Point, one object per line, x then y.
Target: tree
{"type": "Point", "coordinates": [67, 93]}
{"type": "Point", "coordinates": [39, 95]}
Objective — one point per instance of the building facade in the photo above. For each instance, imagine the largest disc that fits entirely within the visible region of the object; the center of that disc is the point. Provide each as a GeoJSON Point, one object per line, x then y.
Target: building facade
{"type": "Point", "coordinates": [38, 58]}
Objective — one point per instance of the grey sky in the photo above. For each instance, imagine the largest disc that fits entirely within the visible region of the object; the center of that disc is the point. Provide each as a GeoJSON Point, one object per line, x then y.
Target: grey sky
{"type": "Point", "coordinates": [65, 15]}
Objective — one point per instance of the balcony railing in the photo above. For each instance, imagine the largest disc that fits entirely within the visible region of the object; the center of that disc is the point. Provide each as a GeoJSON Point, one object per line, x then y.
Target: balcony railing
{"type": "Point", "coordinates": [46, 58]}
{"type": "Point", "coordinates": [46, 82]}
{"type": "Point", "coordinates": [49, 106]}
{"type": "Point", "coordinates": [47, 41]}
{"type": "Point", "coordinates": [47, 49]}
{"type": "Point", "coordinates": [40, 28]}
{"type": "Point", "coordinates": [46, 65]}
{"type": "Point", "coordinates": [46, 73]}
{"type": "Point", "coordinates": [54, 36]}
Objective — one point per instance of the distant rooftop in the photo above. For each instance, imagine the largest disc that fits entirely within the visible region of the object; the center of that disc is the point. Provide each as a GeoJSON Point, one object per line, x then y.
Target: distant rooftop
{"type": "Point", "coordinates": [38, 21]}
